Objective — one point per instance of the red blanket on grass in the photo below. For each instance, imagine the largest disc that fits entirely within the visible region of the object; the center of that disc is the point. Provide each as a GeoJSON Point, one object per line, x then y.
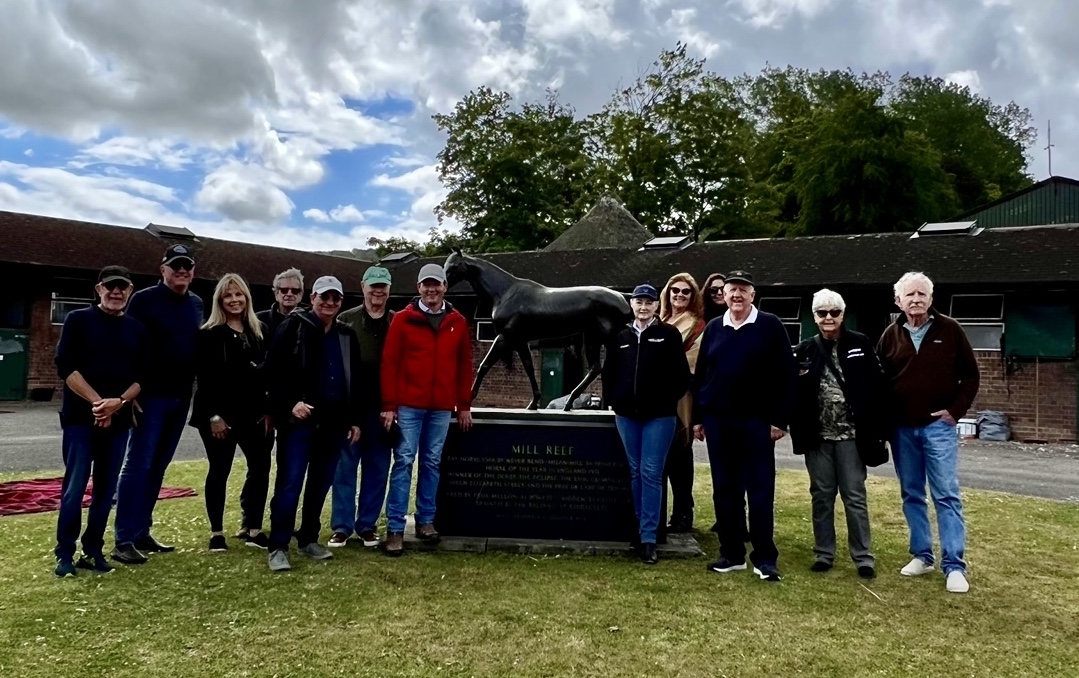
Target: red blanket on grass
{"type": "Point", "coordinates": [43, 494]}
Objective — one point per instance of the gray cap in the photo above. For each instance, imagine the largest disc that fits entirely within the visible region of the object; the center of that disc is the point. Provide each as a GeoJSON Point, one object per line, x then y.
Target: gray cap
{"type": "Point", "coordinates": [328, 283]}
{"type": "Point", "coordinates": [432, 271]}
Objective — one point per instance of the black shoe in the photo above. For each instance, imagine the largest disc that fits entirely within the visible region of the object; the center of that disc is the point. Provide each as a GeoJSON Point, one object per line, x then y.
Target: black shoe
{"type": "Point", "coordinates": [258, 541]}
{"type": "Point", "coordinates": [867, 572]}
{"type": "Point", "coordinates": [768, 573]}
{"type": "Point", "coordinates": [151, 545]}
{"type": "Point", "coordinates": [680, 524]}
{"type": "Point", "coordinates": [128, 555]}
{"type": "Point", "coordinates": [724, 566]}
{"type": "Point", "coordinates": [820, 566]}
{"type": "Point", "coordinates": [648, 554]}
{"type": "Point", "coordinates": [95, 563]}
{"type": "Point", "coordinates": [218, 544]}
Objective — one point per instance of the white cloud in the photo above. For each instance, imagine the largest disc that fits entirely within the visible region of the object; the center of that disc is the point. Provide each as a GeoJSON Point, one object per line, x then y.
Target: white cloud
{"type": "Point", "coordinates": [560, 20]}
{"type": "Point", "coordinates": [169, 154]}
{"type": "Point", "coordinates": [968, 78]}
{"type": "Point", "coordinates": [243, 192]}
{"type": "Point", "coordinates": [316, 215]}
{"type": "Point", "coordinates": [774, 13]}
{"type": "Point", "coordinates": [29, 153]}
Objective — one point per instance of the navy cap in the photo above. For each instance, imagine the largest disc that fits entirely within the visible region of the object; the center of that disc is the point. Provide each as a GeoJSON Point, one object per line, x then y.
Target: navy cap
{"type": "Point", "coordinates": [740, 277]}
{"type": "Point", "coordinates": [178, 252]}
{"type": "Point", "coordinates": [646, 291]}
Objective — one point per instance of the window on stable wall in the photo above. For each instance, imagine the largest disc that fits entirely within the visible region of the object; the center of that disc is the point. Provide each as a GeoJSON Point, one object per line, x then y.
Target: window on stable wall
{"type": "Point", "coordinates": [69, 294]}
{"type": "Point", "coordinates": [789, 310]}
{"type": "Point", "coordinates": [982, 318]}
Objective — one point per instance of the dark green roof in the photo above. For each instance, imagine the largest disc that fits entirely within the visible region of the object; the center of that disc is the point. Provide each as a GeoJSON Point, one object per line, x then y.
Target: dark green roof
{"type": "Point", "coordinates": [607, 225]}
{"type": "Point", "coordinates": [1051, 201]}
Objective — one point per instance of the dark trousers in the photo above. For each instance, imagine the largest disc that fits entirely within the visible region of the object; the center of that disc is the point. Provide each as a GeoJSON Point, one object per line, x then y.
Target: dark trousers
{"type": "Point", "coordinates": [836, 467]}
{"type": "Point", "coordinates": [89, 451]}
{"type": "Point", "coordinates": [679, 472]}
{"type": "Point", "coordinates": [742, 457]}
{"type": "Point", "coordinates": [253, 440]}
{"type": "Point", "coordinates": [149, 453]}
{"type": "Point", "coordinates": [303, 451]}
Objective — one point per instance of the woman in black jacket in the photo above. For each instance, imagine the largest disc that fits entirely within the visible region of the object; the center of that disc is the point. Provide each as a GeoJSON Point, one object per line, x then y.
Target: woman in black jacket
{"type": "Point", "coordinates": [230, 408]}
{"type": "Point", "coordinates": [839, 426]}
{"type": "Point", "coordinates": [644, 376]}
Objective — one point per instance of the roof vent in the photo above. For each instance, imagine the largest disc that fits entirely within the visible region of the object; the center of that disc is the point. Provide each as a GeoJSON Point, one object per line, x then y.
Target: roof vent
{"type": "Point", "coordinates": [170, 232]}
{"type": "Point", "coordinates": [669, 242]}
{"type": "Point", "coordinates": [399, 258]}
{"type": "Point", "coordinates": [947, 228]}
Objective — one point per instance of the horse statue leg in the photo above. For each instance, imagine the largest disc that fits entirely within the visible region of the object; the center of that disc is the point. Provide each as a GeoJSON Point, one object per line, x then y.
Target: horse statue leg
{"type": "Point", "coordinates": [498, 346]}
{"type": "Point", "coordinates": [525, 354]}
{"type": "Point", "coordinates": [592, 345]}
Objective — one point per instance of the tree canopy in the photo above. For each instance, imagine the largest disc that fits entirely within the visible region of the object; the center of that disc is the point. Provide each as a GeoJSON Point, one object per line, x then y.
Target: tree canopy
{"type": "Point", "coordinates": [781, 152]}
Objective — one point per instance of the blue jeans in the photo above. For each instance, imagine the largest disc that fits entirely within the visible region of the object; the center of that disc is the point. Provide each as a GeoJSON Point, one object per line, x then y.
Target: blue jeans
{"type": "Point", "coordinates": [423, 433]}
{"type": "Point", "coordinates": [374, 457]}
{"type": "Point", "coordinates": [931, 453]}
{"type": "Point", "coordinates": [153, 442]}
{"type": "Point", "coordinates": [646, 443]}
{"type": "Point", "coordinates": [741, 455]}
{"type": "Point", "coordinates": [302, 451]}
{"type": "Point", "coordinates": [88, 451]}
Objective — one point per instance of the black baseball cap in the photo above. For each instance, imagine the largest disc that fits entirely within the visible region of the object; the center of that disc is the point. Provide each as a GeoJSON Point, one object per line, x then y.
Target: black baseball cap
{"type": "Point", "coordinates": [739, 277]}
{"type": "Point", "coordinates": [110, 273]}
{"type": "Point", "coordinates": [178, 252]}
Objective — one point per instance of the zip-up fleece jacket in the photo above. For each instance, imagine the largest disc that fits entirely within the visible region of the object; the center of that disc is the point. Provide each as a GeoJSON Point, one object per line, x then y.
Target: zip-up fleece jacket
{"type": "Point", "coordinates": [294, 367]}
{"type": "Point", "coordinates": [941, 375]}
{"type": "Point", "coordinates": [645, 376]}
{"type": "Point", "coordinates": [425, 368]}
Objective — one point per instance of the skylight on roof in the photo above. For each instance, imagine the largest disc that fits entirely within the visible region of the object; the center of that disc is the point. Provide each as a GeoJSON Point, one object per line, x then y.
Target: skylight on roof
{"type": "Point", "coordinates": [947, 228]}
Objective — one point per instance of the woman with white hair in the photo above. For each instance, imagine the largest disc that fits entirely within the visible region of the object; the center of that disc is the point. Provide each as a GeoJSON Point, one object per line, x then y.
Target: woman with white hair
{"type": "Point", "coordinates": [839, 425]}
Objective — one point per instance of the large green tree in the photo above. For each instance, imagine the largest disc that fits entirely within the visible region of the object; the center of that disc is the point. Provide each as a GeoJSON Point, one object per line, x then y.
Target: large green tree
{"type": "Point", "coordinates": [516, 178]}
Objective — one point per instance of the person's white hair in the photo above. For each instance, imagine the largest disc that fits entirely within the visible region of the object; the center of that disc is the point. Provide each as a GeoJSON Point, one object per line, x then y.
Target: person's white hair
{"type": "Point", "coordinates": [912, 276]}
{"type": "Point", "coordinates": [826, 298]}
{"type": "Point", "coordinates": [285, 275]}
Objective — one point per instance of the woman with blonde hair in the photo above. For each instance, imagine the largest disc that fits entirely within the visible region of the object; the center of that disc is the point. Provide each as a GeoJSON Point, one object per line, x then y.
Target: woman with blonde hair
{"type": "Point", "coordinates": [230, 407]}
{"type": "Point", "coordinates": [682, 307]}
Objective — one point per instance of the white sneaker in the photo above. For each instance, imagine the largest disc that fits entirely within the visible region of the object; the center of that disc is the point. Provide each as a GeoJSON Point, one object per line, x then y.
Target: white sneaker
{"type": "Point", "coordinates": [916, 568]}
{"type": "Point", "coordinates": [957, 582]}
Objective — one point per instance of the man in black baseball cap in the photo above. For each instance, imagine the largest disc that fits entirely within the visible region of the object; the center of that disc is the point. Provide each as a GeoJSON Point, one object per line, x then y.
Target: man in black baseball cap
{"type": "Point", "coordinates": [172, 316]}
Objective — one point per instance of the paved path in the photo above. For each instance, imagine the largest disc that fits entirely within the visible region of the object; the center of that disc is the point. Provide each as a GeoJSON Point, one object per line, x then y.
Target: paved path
{"type": "Point", "coordinates": [30, 441]}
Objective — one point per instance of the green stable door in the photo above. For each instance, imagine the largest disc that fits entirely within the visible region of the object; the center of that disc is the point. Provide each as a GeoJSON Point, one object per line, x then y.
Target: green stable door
{"type": "Point", "coordinates": [14, 361]}
{"type": "Point", "coordinates": [552, 379]}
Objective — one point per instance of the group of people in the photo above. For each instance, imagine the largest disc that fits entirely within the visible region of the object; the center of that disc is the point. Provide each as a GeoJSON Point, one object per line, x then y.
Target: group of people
{"type": "Point", "coordinates": [707, 364]}
{"type": "Point", "coordinates": [375, 391]}
{"type": "Point", "coordinates": [337, 392]}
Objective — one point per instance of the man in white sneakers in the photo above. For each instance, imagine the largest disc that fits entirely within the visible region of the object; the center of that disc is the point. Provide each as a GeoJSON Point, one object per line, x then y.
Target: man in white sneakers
{"type": "Point", "coordinates": [934, 377]}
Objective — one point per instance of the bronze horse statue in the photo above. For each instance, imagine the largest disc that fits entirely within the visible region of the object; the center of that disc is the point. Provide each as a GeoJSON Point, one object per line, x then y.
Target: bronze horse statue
{"type": "Point", "coordinates": [523, 311]}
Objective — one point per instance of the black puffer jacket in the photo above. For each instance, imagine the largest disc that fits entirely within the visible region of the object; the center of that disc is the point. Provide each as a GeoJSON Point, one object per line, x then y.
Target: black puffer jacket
{"type": "Point", "coordinates": [644, 377]}
{"type": "Point", "coordinates": [866, 393]}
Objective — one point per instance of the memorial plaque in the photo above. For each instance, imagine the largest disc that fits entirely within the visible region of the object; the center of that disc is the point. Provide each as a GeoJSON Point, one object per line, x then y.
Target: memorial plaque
{"type": "Point", "coordinates": [536, 475]}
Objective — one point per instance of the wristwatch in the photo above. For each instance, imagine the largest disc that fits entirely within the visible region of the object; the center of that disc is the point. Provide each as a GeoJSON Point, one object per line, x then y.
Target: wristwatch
{"type": "Point", "coordinates": [123, 401]}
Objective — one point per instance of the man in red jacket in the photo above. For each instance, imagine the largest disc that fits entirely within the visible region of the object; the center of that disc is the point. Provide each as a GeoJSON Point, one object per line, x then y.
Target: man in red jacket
{"type": "Point", "coordinates": [426, 376]}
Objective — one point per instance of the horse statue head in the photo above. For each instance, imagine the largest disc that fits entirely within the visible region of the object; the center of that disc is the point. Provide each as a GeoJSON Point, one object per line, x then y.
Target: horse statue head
{"type": "Point", "coordinates": [456, 267]}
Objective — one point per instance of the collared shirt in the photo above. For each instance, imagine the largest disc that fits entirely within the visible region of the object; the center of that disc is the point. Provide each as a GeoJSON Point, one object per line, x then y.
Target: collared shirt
{"type": "Point", "coordinates": [728, 322]}
{"type": "Point", "coordinates": [427, 309]}
{"type": "Point", "coordinates": [917, 333]}
{"type": "Point", "coordinates": [638, 330]}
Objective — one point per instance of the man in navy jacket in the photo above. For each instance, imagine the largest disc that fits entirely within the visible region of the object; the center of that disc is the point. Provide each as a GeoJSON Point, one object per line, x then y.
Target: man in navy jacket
{"type": "Point", "coordinates": [743, 398]}
{"type": "Point", "coordinates": [171, 315]}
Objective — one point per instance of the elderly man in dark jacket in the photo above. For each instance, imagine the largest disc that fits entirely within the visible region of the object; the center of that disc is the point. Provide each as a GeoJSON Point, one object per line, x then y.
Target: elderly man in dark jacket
{"type": "Point", "coordinates": [838, 424]}
{"type": "Point", "coordinates": [313, 377]}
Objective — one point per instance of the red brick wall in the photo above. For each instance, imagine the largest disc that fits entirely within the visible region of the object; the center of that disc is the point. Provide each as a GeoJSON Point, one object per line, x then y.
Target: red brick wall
{"type": "Point", "coordinates": [504, 387]}
{"type": "Point", "coordinates": [1039, 398]}
{"type": "Point", "coordinates": [43, 338]}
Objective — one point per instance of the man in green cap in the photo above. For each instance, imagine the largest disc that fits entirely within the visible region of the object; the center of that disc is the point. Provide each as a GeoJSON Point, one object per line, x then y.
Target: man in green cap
{"type": "Point", "coordinates": [371, 321]}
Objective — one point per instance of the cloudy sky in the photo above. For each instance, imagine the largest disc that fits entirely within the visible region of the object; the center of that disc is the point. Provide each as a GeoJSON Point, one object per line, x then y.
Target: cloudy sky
{"type": "Point", "coordinates": [307, 124]}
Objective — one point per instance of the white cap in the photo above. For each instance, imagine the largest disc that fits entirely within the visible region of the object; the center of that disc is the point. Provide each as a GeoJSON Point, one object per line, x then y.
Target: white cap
{"type": "Point", "coordinates": [328, 283]}
{"type": "Point", "coordinates": [432, 271]}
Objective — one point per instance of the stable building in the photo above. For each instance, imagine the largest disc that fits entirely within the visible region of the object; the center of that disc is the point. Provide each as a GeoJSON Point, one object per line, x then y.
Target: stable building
{"type": "Point", "coordinates": [1015, 290]}
{"type": "Point", "coordinates": [53, 265]}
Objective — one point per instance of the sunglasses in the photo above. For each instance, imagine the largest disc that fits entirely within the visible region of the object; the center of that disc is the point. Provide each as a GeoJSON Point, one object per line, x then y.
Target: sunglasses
{"type": "Point", "coordinates": [715, 291]}
{"type": "Point", "coordinates": [114, 285]}
{"type": "Point", "coordinates": [181, 265]}
{"type": "Point", "coordinates": [682, 290]}
{"type": "Point", "coordinates": [834, 312]}
{"type": "Point", "coordinates": [290, 290]}
{"type": "Point", "coordinates": [330, 297]}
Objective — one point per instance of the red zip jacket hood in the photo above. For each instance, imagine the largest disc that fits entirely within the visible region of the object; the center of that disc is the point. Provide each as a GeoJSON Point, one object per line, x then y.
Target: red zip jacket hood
{"type": "Point", "coordinates": [426, 368]}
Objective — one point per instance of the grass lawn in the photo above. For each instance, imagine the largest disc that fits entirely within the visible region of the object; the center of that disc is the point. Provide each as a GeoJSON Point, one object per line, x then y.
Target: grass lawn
{"type": "Point", "coordinates": [453, 614]}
